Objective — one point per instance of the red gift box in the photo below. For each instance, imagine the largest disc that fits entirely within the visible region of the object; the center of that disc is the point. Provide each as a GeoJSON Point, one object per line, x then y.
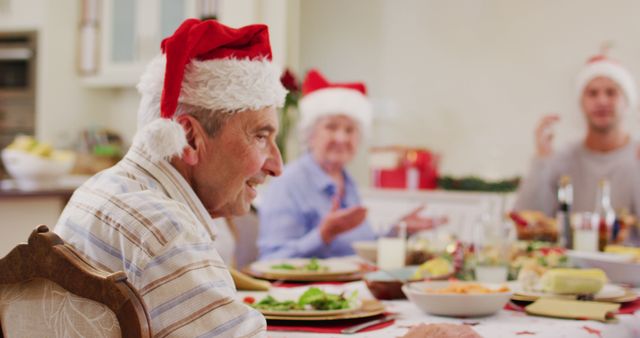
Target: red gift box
{"type": "Point", "coordinates": [404, 168]}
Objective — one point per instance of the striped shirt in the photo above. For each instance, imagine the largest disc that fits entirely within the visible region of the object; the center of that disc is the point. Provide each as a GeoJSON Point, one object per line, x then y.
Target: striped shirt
{"type": "Point", "coordinates": [144, 219]}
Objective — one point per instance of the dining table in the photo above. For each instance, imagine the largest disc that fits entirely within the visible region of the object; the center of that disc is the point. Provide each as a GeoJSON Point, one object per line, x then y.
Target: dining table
{"type": "Point", "coordinates": [511, 321]}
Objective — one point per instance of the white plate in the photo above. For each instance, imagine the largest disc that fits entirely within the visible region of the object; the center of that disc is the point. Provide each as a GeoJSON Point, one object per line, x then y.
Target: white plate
{"type": "Point", "coordinates": [601, 256]}
{"type": "Point", "coordinates": [455, 305]}
{"type": "Point", "coordinates": [608, 291]}
{"type": "Point", "coordinates": [335, 267]}
{"type": "Point", "coordinates": [309, 313]}
{"type": "Point", "coordinates": [617, 267]}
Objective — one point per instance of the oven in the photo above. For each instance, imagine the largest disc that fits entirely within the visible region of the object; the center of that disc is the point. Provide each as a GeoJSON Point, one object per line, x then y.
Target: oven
{"type": "Point", "coordinates": [18, 55]}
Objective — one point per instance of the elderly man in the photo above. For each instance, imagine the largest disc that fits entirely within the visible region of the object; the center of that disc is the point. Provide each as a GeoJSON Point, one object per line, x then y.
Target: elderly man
{"type": "Point", "coordinates": [608, 96]}
{"type": "Point", "coordinates": [206, 138]}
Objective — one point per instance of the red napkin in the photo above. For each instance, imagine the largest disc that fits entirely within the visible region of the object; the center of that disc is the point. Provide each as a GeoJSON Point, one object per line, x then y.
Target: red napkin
{"type": "Point", "coordinates": [630, 307]}
{"type": "Point", "coordinates": [333, 326]}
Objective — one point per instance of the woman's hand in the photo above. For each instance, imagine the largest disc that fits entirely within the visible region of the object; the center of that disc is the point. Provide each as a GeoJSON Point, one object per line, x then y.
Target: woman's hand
{"type": "Point", "coordinates": [338, 221]}
{"type": "Point", "coordinates": [544, 135]}
{"type": "Point", "coordinates": [416, 223]}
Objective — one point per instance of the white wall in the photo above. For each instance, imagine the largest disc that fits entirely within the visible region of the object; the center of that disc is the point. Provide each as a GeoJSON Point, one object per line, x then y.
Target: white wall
{"type": "Point", "coordinates": [21, 14]}
{"type": "Point", "coordinates": [468, 79]}
{"type": "Point", "coordinates": [64, 105]}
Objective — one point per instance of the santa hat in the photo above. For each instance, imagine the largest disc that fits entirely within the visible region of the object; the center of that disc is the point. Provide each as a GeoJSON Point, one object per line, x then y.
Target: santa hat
{"type": "Point", "coordinates": [321, 98]}
{"type": "Point", "coordinates": [601, 65]}
{"type": "Point", "coordinates": [208, 65]}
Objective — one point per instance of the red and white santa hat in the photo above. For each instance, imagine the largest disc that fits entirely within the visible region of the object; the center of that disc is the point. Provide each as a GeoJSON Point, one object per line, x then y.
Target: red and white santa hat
{"type": "Point", "coordinates": [208, 65]}
{"type": "Point", "coordinates": [601, 65]}
{"type": "Point", "coordinates": [322, 98]}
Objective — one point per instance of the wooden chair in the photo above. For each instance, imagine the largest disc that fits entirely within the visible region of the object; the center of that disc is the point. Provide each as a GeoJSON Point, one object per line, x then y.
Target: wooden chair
{"type": "Point", "coordinates": [48, 289]}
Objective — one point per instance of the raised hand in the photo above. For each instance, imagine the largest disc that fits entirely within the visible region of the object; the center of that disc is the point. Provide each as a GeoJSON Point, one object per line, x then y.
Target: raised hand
{"type": "Point", "coordinates": [339, 220]}
{"type": "Point", "coordinates": [544, 135]}
{"type": "Point", "coordinates": [415, 222]}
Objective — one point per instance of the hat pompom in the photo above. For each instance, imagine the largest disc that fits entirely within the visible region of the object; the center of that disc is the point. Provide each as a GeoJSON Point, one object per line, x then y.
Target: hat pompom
{"type": "Point", "coordinates": [161, 139]}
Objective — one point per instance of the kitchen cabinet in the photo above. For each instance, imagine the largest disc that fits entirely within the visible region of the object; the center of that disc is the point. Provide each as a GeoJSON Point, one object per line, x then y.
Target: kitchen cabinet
{"type": "Point", "coordinates": [127, 35]}
{"type": "Point", "coordinates": [23, 211]}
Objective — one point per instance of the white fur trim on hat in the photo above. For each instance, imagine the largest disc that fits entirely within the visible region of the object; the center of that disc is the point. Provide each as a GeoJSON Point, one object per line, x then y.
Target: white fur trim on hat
{"type": "Point", "coordinates": [616, 73]}
{"type": "Point", "coordinates": [227, 85]}
{"type": "Point", "coordinates": [335, 101]}
{"type": "Point", "coordinates": [161, 139]}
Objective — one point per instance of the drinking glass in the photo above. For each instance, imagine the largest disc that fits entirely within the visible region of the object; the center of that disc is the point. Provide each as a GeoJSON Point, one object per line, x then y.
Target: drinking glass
{"type": "Point", "coordinates": [492, 242]}
{"type": "Point", "coordinates": [585, 231]}
{"type": "Point", "coordinates": [392, 249]}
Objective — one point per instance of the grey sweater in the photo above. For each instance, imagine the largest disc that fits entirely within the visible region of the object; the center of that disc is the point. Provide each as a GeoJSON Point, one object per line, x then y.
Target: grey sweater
{"type": "Point", "coordinates": [585, 167]}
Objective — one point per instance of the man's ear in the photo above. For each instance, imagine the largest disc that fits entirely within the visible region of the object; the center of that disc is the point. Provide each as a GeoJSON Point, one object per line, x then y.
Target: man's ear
{"type": "Point", "coordinates": [195, 138]}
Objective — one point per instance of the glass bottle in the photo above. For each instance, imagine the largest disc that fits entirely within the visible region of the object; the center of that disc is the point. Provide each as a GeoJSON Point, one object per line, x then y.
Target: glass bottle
{"type": "Point", "coordinates": [604, 212]}
{"type": "Point", "coordinates": [563, 215]}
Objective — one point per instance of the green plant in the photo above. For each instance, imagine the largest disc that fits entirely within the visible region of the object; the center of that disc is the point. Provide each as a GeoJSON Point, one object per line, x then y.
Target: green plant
{"type": "Point", "coordinates": [288, 111]}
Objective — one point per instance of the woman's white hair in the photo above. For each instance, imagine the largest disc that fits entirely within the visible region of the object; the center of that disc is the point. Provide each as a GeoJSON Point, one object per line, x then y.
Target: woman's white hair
{"type": "Point", "coordinates": [331, 102]}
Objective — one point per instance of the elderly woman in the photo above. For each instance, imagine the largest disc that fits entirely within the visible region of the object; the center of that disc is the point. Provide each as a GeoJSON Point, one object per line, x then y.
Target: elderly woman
{"type": "Point", "coordinates": [314, 209]}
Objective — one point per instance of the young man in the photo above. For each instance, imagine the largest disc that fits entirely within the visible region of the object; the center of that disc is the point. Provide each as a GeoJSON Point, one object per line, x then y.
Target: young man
{"type": "Point", "coordinates": [206, 138]}
{"type": "Point", "coordinates": [607, 96]}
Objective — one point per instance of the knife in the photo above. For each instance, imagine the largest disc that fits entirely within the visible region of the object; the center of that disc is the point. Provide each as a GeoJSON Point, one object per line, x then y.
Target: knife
{"type": "Point", "coordinates": [362, 326]}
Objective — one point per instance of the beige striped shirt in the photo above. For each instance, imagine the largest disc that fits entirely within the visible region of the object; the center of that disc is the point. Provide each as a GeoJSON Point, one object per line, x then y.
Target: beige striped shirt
{"type": "Point", "coordinates": [143, 218]}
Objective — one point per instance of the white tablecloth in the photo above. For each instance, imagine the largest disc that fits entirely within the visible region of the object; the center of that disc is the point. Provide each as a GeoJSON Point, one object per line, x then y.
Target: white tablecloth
{"type": "Point", "coordinates": [503, 324]}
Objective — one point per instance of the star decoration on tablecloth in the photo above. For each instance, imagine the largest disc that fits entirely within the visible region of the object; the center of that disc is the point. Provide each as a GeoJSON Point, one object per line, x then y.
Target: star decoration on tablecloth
{"type": "Point", "coordinates": [592, 331]}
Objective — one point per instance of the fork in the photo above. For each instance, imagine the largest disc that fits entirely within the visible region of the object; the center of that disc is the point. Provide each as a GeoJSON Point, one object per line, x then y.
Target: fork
{"type": "Point", "coordinates": [356, 328]}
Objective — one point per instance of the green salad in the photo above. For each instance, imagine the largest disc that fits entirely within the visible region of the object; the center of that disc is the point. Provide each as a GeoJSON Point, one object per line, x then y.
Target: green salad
{"type": "Point", "coordinates": [313, 265]}
{"type": "Point", "coordinates": [312, 299]}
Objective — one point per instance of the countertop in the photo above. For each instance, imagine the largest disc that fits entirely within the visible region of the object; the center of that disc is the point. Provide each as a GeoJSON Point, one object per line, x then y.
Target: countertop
{"type": "Point", "coordinates": [62, 188]}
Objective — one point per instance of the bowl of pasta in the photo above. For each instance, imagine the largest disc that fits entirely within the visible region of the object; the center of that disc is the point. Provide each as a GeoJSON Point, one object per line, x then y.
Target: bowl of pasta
{"type": "Point", "coordinates": [458, 299]}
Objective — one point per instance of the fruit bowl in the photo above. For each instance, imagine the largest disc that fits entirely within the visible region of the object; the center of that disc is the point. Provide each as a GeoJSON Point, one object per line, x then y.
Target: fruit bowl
{"type": "Point", "coordinates": [33, 172]}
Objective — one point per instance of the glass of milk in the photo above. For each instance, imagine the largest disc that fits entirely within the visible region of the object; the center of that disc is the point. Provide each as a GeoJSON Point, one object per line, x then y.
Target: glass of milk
{"type": "Point", "coordinates": [392, 250]}
{"type": "Point", "coordinates": [585, 231]}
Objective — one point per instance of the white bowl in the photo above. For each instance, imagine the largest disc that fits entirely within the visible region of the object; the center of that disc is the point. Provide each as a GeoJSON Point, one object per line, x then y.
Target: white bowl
{"type": "Point", "coordinates": [455, 305]}
{"type": "Point", "coordinates": [34, 172]}
{"type": "Point", "coordinates": [618, 267]}
{"type": "Point", "coordinates": [368, 250]}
